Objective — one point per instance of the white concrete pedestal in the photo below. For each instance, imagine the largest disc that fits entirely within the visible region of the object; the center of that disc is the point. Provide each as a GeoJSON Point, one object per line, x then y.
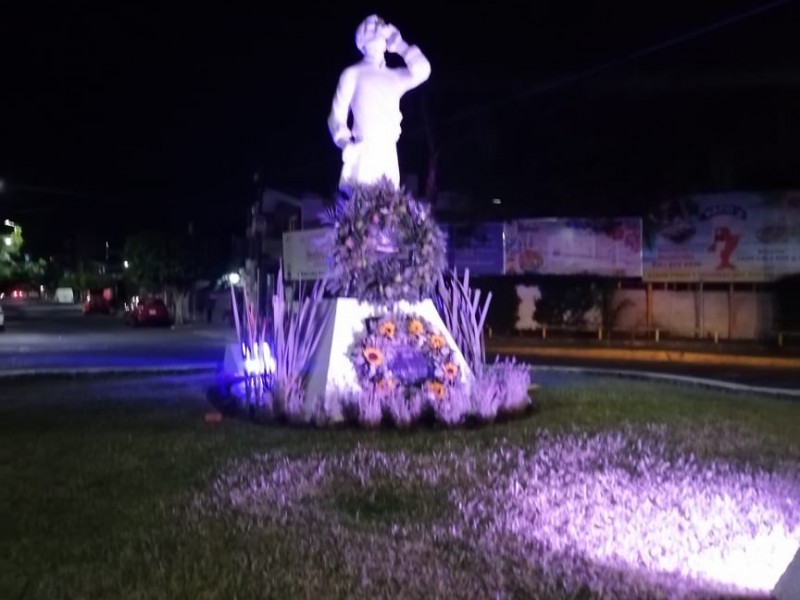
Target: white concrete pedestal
{"type": "Point", "coordinates": [788, 586]}
{"type": "Point", "coordinates": [332, 374]}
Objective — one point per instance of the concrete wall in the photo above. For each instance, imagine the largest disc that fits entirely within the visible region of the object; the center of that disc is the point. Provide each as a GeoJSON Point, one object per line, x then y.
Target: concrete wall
{"type": "Point", "coordinates": [681, 313]}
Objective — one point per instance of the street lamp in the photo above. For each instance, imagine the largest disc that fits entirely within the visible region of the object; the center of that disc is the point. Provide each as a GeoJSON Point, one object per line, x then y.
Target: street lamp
{"type": "Point", "coordinates": [9, 240]}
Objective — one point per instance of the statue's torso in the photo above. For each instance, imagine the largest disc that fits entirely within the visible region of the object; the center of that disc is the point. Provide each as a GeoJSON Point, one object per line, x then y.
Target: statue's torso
{"type": "Point", "coordinates": [376, 103]}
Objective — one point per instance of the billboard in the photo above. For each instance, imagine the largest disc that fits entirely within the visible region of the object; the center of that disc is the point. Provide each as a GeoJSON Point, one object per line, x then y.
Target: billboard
{"type": "Point", "coordinates": [477, 247]}
{"type": "Point", "coordinates": [602, 247]}
{"type": "Point", "coordinates": [725, 237]}
{"type": "Point", "coordinates": [306, 253]}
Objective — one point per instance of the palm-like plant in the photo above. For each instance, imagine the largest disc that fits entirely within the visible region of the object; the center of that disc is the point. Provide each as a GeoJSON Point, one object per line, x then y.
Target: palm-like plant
{"type": "Point", "coordinates": [464, 315]}
{"type": "Point", "coordinates": [298, 328]}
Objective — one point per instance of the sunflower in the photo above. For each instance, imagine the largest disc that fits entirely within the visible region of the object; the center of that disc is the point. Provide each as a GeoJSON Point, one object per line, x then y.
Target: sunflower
{"type": "Point", "coordinates": [451, 371]}
{"type": "Point", "coordinates": [384, 383]}
{"type": "Point", "coordinates": [436, 389]}
{"type": "Point", "coordinates": [373, 356]}
{"type": "Point", "coordinates": [415, 327]}
{"type": "Point", "coordinates": [387, 329]}
{"type": "Point", "coordinates": [437, 341]}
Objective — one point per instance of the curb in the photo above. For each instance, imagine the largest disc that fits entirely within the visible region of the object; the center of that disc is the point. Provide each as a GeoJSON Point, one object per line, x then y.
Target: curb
{"type": "Point", "coordinates": [199, 368]}
{"type": "Point", "coordinates": [715, 384]}
{"type": "Point", "coordinates": [647, 355]}
{"type": "Point", "coordinates": [67, 373]}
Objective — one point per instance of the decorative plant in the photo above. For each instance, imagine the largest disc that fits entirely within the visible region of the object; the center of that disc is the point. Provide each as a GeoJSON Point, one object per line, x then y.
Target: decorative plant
{"type": "Point", "coordinates": [297, 330]}
{"type": "Point", "coordinates": [499, 387]}
{"type": "Point", "coordinates": [387, 246]}
{"type": "Point", "coordinates": [405, 364]}
{"type": "Point", "coordinates": [464, 315]}
{"type": "Point", "coordinates": [255, 326]}
{"type": "Point", "coordinates": [514, 380]}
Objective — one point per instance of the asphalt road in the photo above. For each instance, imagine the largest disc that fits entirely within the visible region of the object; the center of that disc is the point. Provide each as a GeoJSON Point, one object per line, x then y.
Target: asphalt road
{"type": "Point", "coordinates": [42, 336]}
{"type": "Point", "coordinates": [51, 337]}
{"type": "Point", "coordinates": [756, 377]}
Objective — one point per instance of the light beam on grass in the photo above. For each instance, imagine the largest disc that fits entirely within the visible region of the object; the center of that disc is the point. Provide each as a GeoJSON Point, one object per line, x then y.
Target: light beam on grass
{"type": "Point", "coordinates": [630, 513]}
{"type": "Point", "coordinates": [625, 506]}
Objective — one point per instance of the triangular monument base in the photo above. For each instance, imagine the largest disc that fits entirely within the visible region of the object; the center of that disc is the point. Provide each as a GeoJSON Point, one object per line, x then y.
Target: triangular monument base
{"type": "Point", "coordinates": [332, 375]}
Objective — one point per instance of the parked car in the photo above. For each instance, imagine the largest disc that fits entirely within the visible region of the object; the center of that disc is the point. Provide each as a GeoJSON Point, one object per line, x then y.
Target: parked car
{"type": "Point", "coordinates": [65, 295]}
{"type": "Point", "coordinates": [21, 291]}
{"type": "Point", "coordinates": [148, 311]}
{"type": "Point", "coordinates": [96, 304]}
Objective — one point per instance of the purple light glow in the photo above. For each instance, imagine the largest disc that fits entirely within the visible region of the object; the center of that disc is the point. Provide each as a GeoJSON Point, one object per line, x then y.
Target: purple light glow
{"type": "Point", "coordinates": [625, 505]}
{"type": "Point", "coordinates": [259, 361]}
{"type": "Point", "coordinates": [624, 517]}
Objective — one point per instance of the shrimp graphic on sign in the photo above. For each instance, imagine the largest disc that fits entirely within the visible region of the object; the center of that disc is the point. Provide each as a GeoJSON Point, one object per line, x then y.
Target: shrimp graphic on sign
{"type": "Point", "coordinates": [726, 222]}
{"type": "Point", "coordinates": [727, 241]}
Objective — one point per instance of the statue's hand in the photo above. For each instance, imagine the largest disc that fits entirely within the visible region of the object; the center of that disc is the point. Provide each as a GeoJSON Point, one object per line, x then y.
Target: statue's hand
{"type": "Point", "coordinates": [350, 152]}
{"type": "Point", "coordinates": [394, 41]}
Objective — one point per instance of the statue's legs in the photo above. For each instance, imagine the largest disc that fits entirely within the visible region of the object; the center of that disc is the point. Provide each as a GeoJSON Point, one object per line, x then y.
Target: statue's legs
{"type": "Point", "coordinates": [371, 161]}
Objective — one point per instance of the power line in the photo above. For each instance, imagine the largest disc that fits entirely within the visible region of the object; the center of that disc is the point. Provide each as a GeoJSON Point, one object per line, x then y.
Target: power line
{"type": "Point", "coordinates": [11, 193]}
{"type": "Point", "coordinates": [593, 70]}
{"type": "Point", "coordinates": [610, 64]}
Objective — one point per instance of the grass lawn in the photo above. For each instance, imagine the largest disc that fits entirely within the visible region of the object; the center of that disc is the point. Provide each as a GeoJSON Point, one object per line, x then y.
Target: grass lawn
{"type": "Point", "coordinates": [119, 489]}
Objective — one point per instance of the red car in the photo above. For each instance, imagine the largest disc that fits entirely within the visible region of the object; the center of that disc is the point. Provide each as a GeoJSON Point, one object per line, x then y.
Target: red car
{"type": "Point", "coordinates": [148, 311]}
{"type": "Point", "coordinates": [96, 304]}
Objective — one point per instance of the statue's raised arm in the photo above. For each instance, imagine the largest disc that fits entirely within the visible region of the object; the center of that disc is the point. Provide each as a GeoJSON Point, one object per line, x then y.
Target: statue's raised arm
{"type": "Point", "coordinates": [372, 92]}
{"type": "Point", "coordinates": [418, 67]}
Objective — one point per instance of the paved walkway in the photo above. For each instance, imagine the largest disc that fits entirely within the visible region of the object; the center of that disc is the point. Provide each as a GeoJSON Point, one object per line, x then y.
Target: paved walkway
{"type": "Point", "coordinates": [738, 364]}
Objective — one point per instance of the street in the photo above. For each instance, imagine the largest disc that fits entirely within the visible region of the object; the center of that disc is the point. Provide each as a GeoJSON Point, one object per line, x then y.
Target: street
{"type": "Point", "coordinates": [49, 337]}
{"type": "Point", "coordinates": [45, 336]}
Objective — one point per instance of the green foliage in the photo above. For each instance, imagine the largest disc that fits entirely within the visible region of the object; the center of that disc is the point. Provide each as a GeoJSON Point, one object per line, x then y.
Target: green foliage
{"type": "Point", "coordinates": [99, 480]}
{"type": "Point", "coordinates": [84, 279]}
{"type": "Point", "coordinates": [387, 503]}
{"type": "Point", "coordinates": [387, 246]}
{"type": "Point", "coordinates": [12, 264]}
{"type": "Point", "coordinates": [10, 244]}
{"type": "Point", "coordinates": [570, 303]}
{"type": "Point", "coordinates": [566, 304]}
{"type": "Point", "coordinates": [161, 260]}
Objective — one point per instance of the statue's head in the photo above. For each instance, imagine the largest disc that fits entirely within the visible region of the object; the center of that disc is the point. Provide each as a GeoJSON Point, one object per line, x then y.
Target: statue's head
{"type": "Point", "coordinates": [371, 36]}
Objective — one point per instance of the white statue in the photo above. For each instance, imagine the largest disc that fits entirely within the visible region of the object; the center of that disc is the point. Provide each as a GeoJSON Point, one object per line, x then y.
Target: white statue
{"type": "Point", "coordinates": [372, 92]}
{"type": "Point", "coordinates": [528, 296]}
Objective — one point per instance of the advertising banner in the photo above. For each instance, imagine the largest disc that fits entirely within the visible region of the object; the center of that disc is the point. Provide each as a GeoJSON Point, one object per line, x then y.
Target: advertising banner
{"type": "Point", "coordinates": [601, 247]}
{"type": "Point", "coordinates": [726, 237]}
{"type": "Point", "coordinates": [306, 253]}
{"type": "Point", "coordinates": [477, 247]}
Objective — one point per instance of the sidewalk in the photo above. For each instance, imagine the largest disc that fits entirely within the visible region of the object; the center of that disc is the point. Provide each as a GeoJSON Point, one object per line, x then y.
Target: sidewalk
{"type": "Point", "coordinates": [693, 352]}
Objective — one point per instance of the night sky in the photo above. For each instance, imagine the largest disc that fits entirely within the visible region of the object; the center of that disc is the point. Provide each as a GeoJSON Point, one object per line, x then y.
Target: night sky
{"type": "Point", "coordinates": [120, 115]}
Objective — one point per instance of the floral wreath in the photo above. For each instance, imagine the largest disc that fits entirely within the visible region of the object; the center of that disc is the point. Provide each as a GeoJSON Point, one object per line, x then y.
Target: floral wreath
{"type": "Point", "coordinates": [375, 351]}
{"type": "Point", "coordinates": [387, 246]}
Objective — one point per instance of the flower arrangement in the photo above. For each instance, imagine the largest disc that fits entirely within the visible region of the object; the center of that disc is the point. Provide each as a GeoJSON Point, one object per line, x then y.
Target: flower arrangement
{"type": "Point", "coordinates": [405, 365]}
{"type": "Point", "coordinates": [387, 246]}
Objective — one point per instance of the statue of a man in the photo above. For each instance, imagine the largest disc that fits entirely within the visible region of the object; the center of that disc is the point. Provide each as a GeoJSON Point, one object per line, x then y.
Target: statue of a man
{"type": "Point", "coordinates": [372, 92]}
